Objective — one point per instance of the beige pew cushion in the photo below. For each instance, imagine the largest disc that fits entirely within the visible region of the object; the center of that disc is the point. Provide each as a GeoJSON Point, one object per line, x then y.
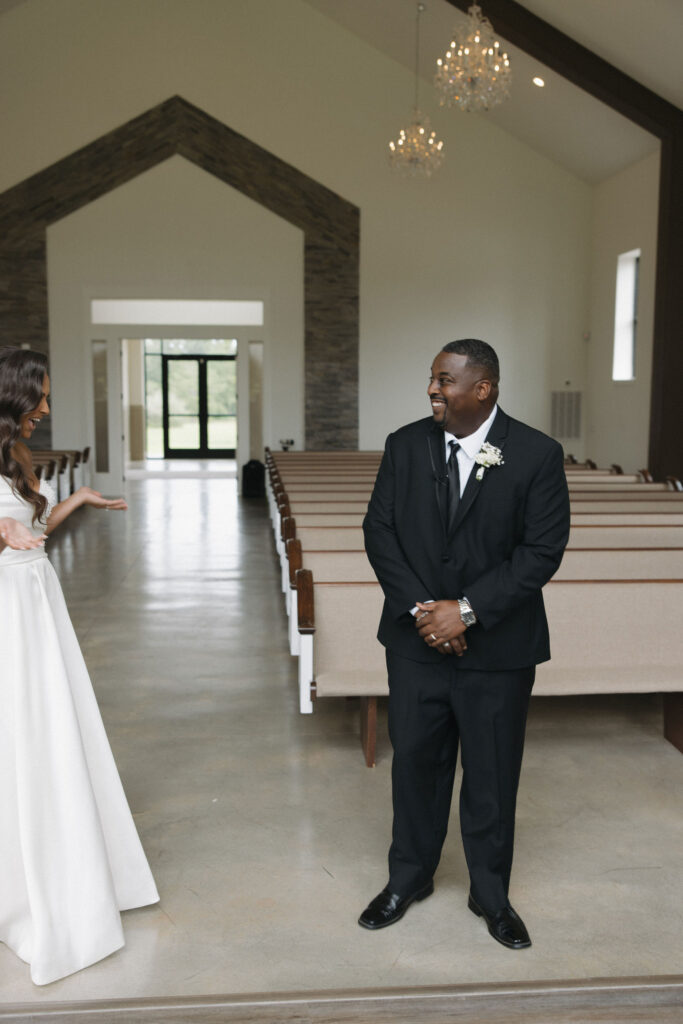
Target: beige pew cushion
{"type": "Point", "coordinates": [625, 536]}
{"type": "Point", "coordinates": [334, 538]}
{"type": "Point", "coordinates": [645, 564]}
{"type": "Point", "coordinates": [605, 638]}
{"type": "Point", "coordinates": [613, 637]}
{"type": "Point", "coordinates": [339, 566]}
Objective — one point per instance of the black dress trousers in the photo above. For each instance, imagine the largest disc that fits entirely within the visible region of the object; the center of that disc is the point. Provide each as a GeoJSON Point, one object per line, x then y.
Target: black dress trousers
{"type": "Point", "coordinates": [433, 710]}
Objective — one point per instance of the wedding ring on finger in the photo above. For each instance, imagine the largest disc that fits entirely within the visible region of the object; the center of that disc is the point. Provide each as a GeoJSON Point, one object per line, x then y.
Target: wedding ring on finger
{"type": "Point", "coordinates": [432, 637]}
{"type": "Point", "coordinates": [446, 643]}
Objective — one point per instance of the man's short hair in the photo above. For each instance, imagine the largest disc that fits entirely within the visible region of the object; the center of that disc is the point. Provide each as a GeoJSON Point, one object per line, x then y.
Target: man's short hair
{"type": "Point", "coordinates": [479, 353]}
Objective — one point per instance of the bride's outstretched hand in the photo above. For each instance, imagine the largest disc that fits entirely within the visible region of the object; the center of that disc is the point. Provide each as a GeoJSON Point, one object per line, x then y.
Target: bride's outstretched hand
{"type": "Point", "coordinates": [14, 534]}
{"type": "Point", "coordinates": [94, 498]}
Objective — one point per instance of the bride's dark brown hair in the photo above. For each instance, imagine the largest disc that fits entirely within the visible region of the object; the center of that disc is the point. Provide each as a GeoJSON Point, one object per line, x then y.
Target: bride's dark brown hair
{"type": "Point", "coordinates": [21, 388]}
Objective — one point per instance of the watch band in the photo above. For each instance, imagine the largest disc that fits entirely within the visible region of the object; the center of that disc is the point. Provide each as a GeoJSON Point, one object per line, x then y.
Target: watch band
{"type": "Point", "coordinates": [466, 613]}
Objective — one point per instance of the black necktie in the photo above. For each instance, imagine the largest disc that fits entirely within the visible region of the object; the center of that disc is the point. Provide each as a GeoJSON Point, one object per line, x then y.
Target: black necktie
{"type": "Point", "coordinates": [453, 483]}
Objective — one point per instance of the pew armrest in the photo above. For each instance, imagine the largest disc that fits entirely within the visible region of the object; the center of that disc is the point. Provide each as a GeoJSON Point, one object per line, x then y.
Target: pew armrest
{"type": "Point", "coordinates": [306, 629]}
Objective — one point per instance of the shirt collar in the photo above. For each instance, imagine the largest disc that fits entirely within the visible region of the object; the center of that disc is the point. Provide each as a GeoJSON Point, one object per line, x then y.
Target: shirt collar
{"type": "Point", "coordinates": [473, 442]}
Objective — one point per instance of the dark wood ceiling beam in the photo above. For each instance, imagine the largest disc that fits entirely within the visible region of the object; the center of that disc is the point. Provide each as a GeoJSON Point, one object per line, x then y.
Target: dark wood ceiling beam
{"type": "Point", "coordinates": [622, 93]}
{"type": "Point", "coordinates": [579, 65]}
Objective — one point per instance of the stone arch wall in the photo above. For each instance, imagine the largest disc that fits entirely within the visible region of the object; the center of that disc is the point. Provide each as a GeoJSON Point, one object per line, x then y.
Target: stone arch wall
{"type": "Point", "coordinates": [331, 227]}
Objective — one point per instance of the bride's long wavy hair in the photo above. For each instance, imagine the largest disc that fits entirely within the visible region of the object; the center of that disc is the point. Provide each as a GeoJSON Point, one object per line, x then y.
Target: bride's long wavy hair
{"type": "Point", "coordinates": [21, 388]}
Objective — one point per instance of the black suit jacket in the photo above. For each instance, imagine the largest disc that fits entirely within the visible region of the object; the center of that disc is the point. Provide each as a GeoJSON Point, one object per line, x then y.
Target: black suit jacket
{"type": "Point", "coordinates": [507, 541]}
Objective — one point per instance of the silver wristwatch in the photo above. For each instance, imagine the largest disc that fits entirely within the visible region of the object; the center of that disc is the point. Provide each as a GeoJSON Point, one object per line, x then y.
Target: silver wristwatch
{"type": "Point", "coordinates": [466, 613]}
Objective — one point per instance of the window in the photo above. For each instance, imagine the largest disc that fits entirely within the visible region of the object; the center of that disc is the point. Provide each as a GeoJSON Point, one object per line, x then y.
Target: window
{"type": "Point", "coordinates": [178, 400]}
{"type": "Point", "coordinates": [626, 316]}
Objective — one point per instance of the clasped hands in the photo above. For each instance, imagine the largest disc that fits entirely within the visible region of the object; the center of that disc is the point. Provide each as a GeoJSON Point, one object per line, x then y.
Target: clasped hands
{"type": "Point", "coordinates": [441, 627]}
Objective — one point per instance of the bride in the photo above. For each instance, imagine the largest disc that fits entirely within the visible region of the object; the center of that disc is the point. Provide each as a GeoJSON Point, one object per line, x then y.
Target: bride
{"type": "Point", "coordinates": [70, 857]}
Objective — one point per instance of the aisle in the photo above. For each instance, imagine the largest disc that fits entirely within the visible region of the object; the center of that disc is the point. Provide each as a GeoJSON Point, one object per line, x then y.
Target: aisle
{"type": "Point", "coordinates": [265, 831]}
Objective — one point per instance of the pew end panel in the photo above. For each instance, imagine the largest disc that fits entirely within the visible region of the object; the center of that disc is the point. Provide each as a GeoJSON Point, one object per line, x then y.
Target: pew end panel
{"type": "Point", "coordinates": [338, 664]}
{"type": "Point", "coordinates": [342, 665]}
{"type": "Point", "coordinates": [673, 719]}
{"type": "Point", "coordinates": [306, 628]}
{"type": "Point", "coordinates": [294, 563]}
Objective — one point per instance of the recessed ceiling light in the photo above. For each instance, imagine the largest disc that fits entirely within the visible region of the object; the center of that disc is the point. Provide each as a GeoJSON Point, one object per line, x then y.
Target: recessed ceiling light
{"type": "Point", "coordinates": [538, 81]}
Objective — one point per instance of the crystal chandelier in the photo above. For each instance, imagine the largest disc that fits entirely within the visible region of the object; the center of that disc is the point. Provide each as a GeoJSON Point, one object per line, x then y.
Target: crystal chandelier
{"type": "Point", "coordinates": [417, 152]}
{"type": "Point", "coordinates": [475, 72]}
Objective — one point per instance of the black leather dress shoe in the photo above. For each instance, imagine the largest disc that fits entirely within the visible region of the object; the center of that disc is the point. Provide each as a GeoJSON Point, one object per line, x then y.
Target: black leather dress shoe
{"type": "Point", "coordinates": [387, 908]}
{"type": "Point", "coordinates": [506, 926]}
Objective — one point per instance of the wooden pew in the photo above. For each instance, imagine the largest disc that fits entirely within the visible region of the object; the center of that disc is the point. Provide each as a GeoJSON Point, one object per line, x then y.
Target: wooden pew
{"type": "Point", "coordinates": [602, 518]}
{"type": "Point", "coordinates": [61, 479]}
{"type": "Point", "coordinates": [653, 516]}
{"type": "Point", "coordinates": [45, 468]}
{"type": "Point", "coordinates": [594, 530]}
{"type": "Point", "coordinates": [660, 501]}
{"type": "Point", "coordinates": [625, 535]}
{"type": "Point", "coordinates": [639, 494]}
{"type": "Point", "coordinates": [327, 567]}
{"type": "Point", "coordinates": [577, 564]}
{"type": "Point", "coordinates": [612, 485]}
{"type": "Point", "coordinates": [354, 489]}
{"type": "Point", "coordinates": [351, 566]}
{"type": "Point", "coordinates": [72, 463]}
{"type": "Point", "coordinates": [640, 522]}
{"type": "Point", "coordinates": [353, 498]}
{"type": "Point", "coordinates": [607, 637]}
{"type": "Point", "coordinates": [330, 538]}
{"type": "Point", "coordinates": [350, 538]}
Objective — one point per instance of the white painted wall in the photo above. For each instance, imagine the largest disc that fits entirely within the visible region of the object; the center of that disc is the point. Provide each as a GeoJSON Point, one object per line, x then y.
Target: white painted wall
{"type": "Point", "coordinates": [174, 232]}
{"type": "Point", "coordinates": [496, 246]}
{"type": "Point", "coordinates": [624, 218]}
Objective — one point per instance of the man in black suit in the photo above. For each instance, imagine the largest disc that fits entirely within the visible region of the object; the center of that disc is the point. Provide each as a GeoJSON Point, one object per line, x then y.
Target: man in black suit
{"type": "Point", "coordinates": [468, 519]}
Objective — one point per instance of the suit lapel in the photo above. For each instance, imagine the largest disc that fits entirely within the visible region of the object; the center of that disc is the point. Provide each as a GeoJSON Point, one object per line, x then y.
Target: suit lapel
{"type": "Point", "coordinates": [437, 456]}
{"type": "Point", "coordinates": [496, 436]}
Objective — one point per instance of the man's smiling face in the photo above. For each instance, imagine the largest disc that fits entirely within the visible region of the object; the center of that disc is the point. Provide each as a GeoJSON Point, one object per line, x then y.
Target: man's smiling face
{"type": "Point", "coordinates": [458, 394]}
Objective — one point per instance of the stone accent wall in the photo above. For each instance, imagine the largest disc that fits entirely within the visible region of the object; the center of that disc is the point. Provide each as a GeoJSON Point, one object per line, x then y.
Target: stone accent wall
{"type": "Point", "coordinates": [330, 224]}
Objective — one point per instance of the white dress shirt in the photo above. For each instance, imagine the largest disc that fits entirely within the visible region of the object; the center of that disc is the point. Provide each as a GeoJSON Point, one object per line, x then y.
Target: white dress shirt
{"type": "Point", "coordinates": [469, 447]}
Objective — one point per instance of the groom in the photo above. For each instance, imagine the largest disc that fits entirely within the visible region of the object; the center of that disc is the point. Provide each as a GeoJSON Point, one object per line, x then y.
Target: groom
{"type": "Point", "coordinates": [468, 519]}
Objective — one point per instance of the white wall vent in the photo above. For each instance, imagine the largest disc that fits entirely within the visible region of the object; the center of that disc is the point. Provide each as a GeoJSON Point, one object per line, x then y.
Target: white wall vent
{"type": "Point", "coordinates": [565, 414]}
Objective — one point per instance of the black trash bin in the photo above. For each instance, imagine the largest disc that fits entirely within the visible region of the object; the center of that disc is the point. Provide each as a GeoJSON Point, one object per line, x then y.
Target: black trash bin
{"type": "Point", "coordinates": [253, 479]}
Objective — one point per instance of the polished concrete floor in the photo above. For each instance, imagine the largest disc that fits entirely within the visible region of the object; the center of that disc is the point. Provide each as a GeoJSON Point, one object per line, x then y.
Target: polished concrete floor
{"type": "Point", "coordinates": [266, 832]}
{"type": "Point", "coordinates": [149, 469]}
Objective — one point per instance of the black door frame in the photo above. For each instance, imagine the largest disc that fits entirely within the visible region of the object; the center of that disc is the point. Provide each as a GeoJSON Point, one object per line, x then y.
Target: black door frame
{"type": "Point", "coordinates": [203, 451]}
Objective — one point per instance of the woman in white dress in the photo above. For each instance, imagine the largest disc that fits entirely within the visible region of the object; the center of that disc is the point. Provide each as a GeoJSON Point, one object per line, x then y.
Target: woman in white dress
{"type": "Point", "coordinates": [70, 856]}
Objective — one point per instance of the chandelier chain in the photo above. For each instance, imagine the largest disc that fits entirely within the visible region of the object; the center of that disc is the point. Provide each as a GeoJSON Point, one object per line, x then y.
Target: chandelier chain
{"type": "Point", "coordinates": [420, 9]}
{"type": "Point", "coordinates": [417, 152]}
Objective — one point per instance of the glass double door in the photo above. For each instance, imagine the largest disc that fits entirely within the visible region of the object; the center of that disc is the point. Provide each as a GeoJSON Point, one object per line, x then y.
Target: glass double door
{"type": "Point", "coordinates": [199, 406]}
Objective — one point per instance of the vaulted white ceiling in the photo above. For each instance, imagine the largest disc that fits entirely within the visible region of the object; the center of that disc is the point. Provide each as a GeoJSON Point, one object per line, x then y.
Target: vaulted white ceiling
{"type": "Point", "coordinates": [643, 38]}
{"type": "Point", "coordinates": [640, 37]}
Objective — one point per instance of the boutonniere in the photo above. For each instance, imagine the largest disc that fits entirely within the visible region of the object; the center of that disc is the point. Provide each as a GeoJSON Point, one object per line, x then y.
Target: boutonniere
{"type": "Point", "coordinates": [487, 456]}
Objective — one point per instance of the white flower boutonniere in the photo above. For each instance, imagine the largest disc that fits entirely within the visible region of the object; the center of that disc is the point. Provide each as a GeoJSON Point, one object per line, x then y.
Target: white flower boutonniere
{"type": "Point", "coordinates": [488, 455]}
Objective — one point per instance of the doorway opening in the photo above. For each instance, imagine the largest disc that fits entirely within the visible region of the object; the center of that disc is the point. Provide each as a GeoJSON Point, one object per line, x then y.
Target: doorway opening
{"type": "Point", "coordinates": [190, 398]}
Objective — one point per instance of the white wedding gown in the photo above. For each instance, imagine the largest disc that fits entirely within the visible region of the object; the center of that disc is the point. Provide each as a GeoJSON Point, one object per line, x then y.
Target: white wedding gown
{"type": "Point", "coordinates": [70, 856]}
